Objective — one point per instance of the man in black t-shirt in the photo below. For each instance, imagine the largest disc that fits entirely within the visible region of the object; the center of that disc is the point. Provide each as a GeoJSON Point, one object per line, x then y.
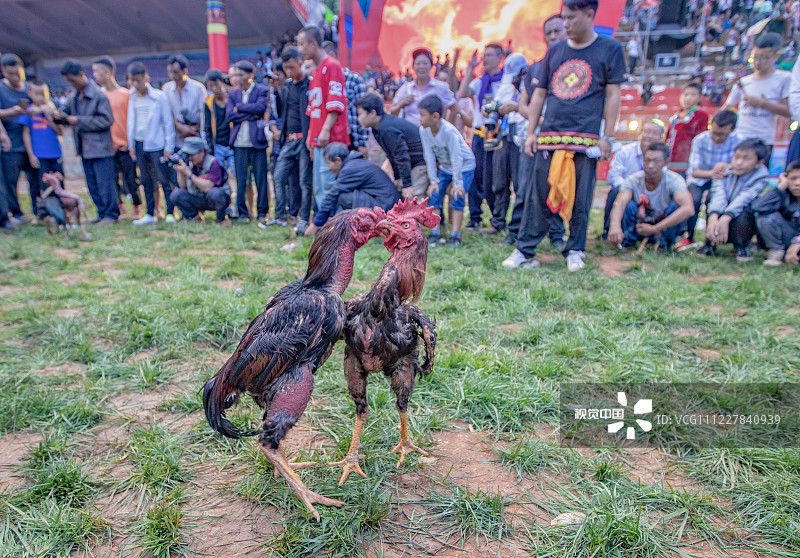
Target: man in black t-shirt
{"type": "Point", "coordinates": [292, 102]}
{"type": "Point", "coordinates": [216, 129]}
{"type": "Point", "coordinates": [580, 80]}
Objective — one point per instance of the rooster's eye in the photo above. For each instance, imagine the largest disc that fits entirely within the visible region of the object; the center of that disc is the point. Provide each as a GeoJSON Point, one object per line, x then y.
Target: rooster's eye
{"type": "Point", "coordinates": [369, 218]}
{"type": "Point", "coordinates": [405, 225]}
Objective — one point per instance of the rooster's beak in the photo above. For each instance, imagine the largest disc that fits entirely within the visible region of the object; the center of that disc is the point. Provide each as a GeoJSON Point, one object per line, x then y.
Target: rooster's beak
{"type": "Point", "coordinates": [385, 228]}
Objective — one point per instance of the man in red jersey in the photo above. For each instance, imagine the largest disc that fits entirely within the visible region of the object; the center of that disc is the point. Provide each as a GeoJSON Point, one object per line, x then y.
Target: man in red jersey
{"type": "Point", "coordinates": [327, 107]}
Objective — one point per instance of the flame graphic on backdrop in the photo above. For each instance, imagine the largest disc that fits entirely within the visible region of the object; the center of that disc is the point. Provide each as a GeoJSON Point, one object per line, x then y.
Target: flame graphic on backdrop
{"type": "Point", "coordinates": [444, 25]}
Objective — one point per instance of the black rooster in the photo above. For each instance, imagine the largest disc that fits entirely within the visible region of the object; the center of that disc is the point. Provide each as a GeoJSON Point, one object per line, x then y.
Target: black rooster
{"type": "Point", "coordinates": [283, 347]}
{"type": "Point", "coordinates": [383, 326]}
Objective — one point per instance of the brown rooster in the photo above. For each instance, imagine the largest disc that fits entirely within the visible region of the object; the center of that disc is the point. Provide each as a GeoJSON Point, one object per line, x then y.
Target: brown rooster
{"type": "Point", "coordinates": [283, 347]}
{"type": "Point", "coordinates": [383, 326]}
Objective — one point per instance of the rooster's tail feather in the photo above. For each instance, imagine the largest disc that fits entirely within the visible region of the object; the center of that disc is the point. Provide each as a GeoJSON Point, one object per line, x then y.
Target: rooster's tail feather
{"type": "Point", "coordinates": [216, 398]}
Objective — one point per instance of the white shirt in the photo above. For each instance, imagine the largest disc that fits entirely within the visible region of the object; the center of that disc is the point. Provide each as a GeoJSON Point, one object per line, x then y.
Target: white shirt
{"type": "Point", "coordinates": [448, 151]}
{"type": "Point", "coordinates": [192, 98]}
{"type": "Point", "coordinates": [434, 87]}
{"type": "Point", "coordinates": [141, 109]}
{"type": "Point", "coordinates": [633, 48]}
{"type": "Point", "coordinates": [756, 122]}
{"type": "Point", "coordinates": [243, 137]}
{"type": "Point", "coordinates": [159, 128]}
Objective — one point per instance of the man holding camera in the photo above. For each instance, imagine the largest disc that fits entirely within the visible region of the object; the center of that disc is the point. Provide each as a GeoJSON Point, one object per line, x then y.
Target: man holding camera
{"type": "Point", "coordinates": [186, 98]}
{"type": "Point", "coordinates": [203, 183]}
{"type": "Point", "coordinates": [484, 90]}
{"type": "Point", "coordinates": [151, 135]}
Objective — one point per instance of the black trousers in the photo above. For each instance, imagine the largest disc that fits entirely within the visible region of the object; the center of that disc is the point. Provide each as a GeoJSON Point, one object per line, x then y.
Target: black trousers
{"type": "Point", "coordinates": [153, 171]}
{"type": "Point", "coordinates": [537, 218]}
{"type": "Point", "coordinates": [14, 163]}
{"type": "Point", "coordinates": [504, 172]}
{"type": "Point", "coordinates": [482, 183]}
{"type": "Point", "coordinates": [245, 158]}
{"type": "Point", "coordinates": [557, 229]}
{"type": "Point", "coordinates": [191, 204]}
{"type": "Point", "coordinates": [126, 177]}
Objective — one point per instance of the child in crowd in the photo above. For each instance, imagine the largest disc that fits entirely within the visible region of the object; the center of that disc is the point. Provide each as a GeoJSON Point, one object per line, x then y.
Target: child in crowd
{"type": "Point", "coordinates": [444, 148]}
{"type": "Point", "coordinates": [686, 124]}
{"type": "Point", "coordinates": [40, 132]}
{"type": "Point", "coordinates": [731, 218]}
{"type": "Point", "coordinates": [778, 218]}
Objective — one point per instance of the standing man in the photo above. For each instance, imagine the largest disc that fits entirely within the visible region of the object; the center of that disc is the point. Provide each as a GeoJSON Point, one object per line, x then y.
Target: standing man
{"type": "Point", "coordinates": [14, 101]}
{"type": "Point", "coordinates": [580, 80]}
{"type": "Point", "coordinates": [409, 94]}
{"type": "Point", "coordinates": [5, 224]}
{"type": "Point", "coordinates": [292, 104]}
{"type": "Point", "coordinates": [401, 142]}
{"type": "Point", "coordinates": [763, 95]}
{"type": "Point", "coordinates": [355, 88]}
{"type": "Point", "coordinates": [104, 69]}
{"type": "Point", "coordinates": [150, 133]}
{"type": "Point", "coordinates": [246, 107]}
{"type": "Point", "coordinates": [91, 118]}
{"type": "Point", "coordinates": [553, 32]}
{"type": "Point", "coordinates": [483, 90]}
{"type": "Point", "coordinates": [327, 108]}
{"type": "Point", "coordinates": [186, 99]}
{"type": "Point", "coordinates": [216, 128]}
{"type": "Point", "coordinates": [633, 54]}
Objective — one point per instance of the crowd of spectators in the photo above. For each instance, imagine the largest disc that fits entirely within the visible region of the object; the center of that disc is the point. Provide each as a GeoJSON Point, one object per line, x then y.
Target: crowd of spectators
{"type": "Point", "coordinates": [514, 139]}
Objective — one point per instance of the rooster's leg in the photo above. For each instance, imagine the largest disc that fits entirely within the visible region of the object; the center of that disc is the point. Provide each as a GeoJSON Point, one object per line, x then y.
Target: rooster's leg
{"type": "Point", "coordinates": [309, 498]}
{"type": "Point", "coordinates": [296, 466]}
{"type": "Point", "coordinates": [285, 409]}
{"type": "Point", "coordinates": [356, 378]}
{"type": "Point", "coordinates": [402, 385]}
{"type": "Point", "coordinates": [350, 463]}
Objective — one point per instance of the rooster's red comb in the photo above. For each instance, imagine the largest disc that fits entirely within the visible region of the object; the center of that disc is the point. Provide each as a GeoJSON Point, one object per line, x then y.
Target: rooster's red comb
{"type": "Point", "coordinates": [415, 209]}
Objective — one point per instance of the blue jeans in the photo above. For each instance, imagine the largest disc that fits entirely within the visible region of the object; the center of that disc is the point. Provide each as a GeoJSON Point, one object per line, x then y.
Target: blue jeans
{"type": "Point", "coordinates": [293, 154]}
{"type": "Point", "coordinates": [323, 178]}
{"type": "Point", "coordinates": [631, 237]}
{"type": "Point", "coordinates": [445, 178]}
{"type": "Point", "coordinates": [101, 176]}
{"type": "Point", "coordinates": [224, 156]}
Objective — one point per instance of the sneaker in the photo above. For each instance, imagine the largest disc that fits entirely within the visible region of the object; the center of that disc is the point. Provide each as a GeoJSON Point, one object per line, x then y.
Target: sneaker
{"type": "Point", "coordinates": [706, 250]}
{"type": "Point", "coordinates": [558, 244]}
{"type": "Point", "coordinates": [137, 212]}
{"type": "Point", "coordinates": [473, 226]}
{"type": "Point", "coordinates": [575, 260]}
{"type": "Point", "coordinates": [683, 244]}
{"type": "Point", "coordinates": [510, 240]}
{"type": "Point", "coordinates": [91, 221]}
{"type": "Point", "coordinates": [490, 230]}
{"type": "Point", "coordinates": [146, 220]}
{"type": "Point", "coordinates": [744, 255]}
{"type": "Point", "coordinates": [435, 238]}
{"type": "Point", "coordinates": [105, 221]}
{"type": "Point", "coordinates": [8, 226]}
{"type": "Point", "coordinates": [301, 226]}
{"type": "Point", "coordinates": [519, 260]}
{"type": "Point", "coordinates": [263, 224]}
{"type": "Point", "coordinates": [454, 241]}
{"type": "Point", "coordinates": [225, 223]}
{"type": "Point", "coordinates": [170, 219]}
{"type": "Point", "coordinates": [774, 258]}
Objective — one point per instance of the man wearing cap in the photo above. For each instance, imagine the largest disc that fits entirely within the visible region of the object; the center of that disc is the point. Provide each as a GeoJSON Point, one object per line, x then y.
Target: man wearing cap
{"type": "Point", "coordinates": [13, 102]}
{"type": "Point", "coordinates": [409, 94]}
{"type": "Point", "coordinates": [246, 107]}
{"type": "Point", "coordinates": [203, 183]}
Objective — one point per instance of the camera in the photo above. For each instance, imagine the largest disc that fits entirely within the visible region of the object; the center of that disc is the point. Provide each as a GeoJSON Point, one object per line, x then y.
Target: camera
{"type": "Point", "coordinates": [492, 108]}
{"type": "Point", "coordinates": [176, 158]}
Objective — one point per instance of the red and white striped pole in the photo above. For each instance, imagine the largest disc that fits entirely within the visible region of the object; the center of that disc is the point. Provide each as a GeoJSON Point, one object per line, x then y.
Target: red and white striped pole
{"type": "Point", "coordinates": [217, 29]}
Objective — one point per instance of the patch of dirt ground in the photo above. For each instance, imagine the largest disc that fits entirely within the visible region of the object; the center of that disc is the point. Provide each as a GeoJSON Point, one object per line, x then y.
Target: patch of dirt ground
{"type": "Point", "coordinates": [65, 253]}
{"type": "Point", "coordinates": [13, 449]}
{"type": "Point", "coordinates": [700, 279]}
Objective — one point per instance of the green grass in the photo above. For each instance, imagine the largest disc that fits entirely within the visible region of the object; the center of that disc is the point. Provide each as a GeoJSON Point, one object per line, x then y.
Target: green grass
{"type": "Point", "coordinates": [150, 335]}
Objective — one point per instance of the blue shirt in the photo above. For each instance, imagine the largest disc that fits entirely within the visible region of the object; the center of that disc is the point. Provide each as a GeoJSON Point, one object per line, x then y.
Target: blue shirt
{"type": "Point", "coordinates": [8, 98]}
{"type": "Point", "coordinates": [44, 139]}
